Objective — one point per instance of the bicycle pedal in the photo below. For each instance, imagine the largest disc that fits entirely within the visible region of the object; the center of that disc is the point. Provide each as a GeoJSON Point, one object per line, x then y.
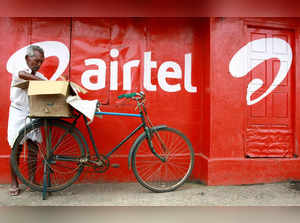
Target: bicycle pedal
{"type": "Point", "coordinates": [115, 165]}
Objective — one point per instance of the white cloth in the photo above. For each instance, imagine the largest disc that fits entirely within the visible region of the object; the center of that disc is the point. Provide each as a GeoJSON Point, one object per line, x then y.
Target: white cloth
{"type": "Point", "coordinates": [86, 107]}
{"type": "Point", "coordinates": [19, 108]}
{"type": "Point", "coordinates": [18, 96]}
{"type": "Point", "coordinates": [16, 122]}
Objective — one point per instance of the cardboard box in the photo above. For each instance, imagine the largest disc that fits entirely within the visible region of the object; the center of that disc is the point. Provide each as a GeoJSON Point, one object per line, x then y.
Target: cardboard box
{"type": "Point", "coordinates": [48, 98]}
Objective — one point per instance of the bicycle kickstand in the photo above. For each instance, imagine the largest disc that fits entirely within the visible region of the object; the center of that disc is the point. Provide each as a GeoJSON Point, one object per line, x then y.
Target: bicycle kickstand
{"type": "Point", "coordinates": [46, 182]}
{"type": "Point", "coordinates": [46, 177]}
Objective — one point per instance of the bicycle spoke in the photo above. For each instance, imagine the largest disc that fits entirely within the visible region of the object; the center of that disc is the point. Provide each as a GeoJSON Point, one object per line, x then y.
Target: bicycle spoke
{"type": "Point", "coordinates": [160, 176]}
{"type": "Point", "coordinates": [59, 141]}
{"type": "Point", "coordinates": [54, 140]}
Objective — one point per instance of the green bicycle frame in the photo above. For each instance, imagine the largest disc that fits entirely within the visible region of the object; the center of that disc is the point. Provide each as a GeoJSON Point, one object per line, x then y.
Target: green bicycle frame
{"type": "Point", "coordinates": [142, 125]}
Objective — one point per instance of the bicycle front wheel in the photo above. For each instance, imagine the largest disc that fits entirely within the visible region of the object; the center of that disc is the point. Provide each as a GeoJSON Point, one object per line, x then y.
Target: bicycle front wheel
{"type": "Point", "coordinates": [169, 165]}
{"type": "Point", "coordinates": [36, 151]}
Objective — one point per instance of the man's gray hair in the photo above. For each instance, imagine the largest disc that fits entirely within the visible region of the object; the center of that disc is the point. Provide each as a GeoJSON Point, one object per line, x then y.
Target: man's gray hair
{"type": "Point", "coordinates": [30, 50]}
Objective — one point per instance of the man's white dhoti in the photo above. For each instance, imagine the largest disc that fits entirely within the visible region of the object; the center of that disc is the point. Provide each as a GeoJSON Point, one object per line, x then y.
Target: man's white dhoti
{"type": "Point", "coordinates": [19, 110]}
{"type": "Point", "coordinates": [16, 121]}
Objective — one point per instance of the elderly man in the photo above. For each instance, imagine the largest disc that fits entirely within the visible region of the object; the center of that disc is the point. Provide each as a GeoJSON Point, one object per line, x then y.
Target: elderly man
{"type": "Point", "coordinates": [19, 107]}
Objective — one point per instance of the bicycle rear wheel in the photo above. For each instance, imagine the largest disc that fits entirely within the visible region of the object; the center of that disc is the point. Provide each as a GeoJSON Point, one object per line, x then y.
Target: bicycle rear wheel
{"type": "Point", "coordinates": [167, 175]}
{"type": "Point", "coordinates": [30, 155]}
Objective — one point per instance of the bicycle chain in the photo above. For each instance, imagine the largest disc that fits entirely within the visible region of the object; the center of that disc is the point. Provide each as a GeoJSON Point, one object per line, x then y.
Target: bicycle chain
{"type": "Point", "coordinates": [98, 168]}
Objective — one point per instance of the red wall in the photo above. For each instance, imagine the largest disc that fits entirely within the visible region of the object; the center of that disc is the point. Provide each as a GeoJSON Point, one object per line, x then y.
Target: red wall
{"type": "Point", "coordinates": [215, 117]}
{"type": "Point", "coordinates": [166, 39]}
{"type": "Point", "coordinates": [227, 163]}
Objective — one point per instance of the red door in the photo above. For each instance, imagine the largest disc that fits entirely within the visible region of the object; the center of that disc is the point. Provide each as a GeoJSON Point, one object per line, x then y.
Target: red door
{"type": "Point", "coordinates": [269, 127]}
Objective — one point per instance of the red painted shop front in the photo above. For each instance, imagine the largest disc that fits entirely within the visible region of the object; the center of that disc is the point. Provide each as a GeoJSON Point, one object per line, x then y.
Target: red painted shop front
{"type": "Point", "coordinates": [230, 84]}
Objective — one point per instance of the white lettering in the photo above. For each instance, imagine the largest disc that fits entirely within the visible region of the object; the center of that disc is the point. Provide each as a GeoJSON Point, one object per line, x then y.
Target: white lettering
{"type": "Point", "coordinates": [148, 65]}
{"type": "Point", "coordinates": [188, 73]}
{"type": "Point", "coordinates": [168, 69]}
{"type": "Point", "coordinates": [114, 70]}
{"type": "Point", "coordinates": [114, 75]}
{"type": "Point", "coordinates": [100, 73]}
{"type": "Point", "coordinates": [114, 53]}
{"type": "Point", "coordinates": [127, 73]}
{"type": "Point", "coordinates": [163, 74]}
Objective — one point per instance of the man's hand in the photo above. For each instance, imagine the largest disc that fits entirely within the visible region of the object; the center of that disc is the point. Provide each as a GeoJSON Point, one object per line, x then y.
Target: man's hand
{"type": "Point", "coordinates": [27, 76]}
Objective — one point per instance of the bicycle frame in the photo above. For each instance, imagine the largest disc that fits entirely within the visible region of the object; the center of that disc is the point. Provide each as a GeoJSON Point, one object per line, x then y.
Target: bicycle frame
{"type": "Point", "coordinates": [162, 137]}
{"type": "Point", "coordinates": [142, 112]}
{"type": "Point", "coordinates": [142, 125]}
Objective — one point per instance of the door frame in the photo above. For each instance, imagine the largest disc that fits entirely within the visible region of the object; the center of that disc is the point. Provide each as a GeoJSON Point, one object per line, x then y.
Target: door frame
{"type": "Point", "coordinates": [265, 23]}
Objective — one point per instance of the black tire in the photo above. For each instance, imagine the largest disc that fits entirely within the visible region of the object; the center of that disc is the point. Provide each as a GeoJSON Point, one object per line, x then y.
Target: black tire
{"type": "Point", "coordinates": [151, 172]}
{"type": "Point", "coordinates": [31, 160]}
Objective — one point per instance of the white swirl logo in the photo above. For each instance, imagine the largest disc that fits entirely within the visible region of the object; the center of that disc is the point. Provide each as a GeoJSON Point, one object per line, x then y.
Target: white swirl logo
{"type": "Point", "coordinates": [238, 66]}
{"type": "Point", "coordinates": [51, 48]}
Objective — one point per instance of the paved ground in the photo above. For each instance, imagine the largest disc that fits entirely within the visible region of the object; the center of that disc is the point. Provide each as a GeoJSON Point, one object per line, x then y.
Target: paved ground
{"type": "Point", "coordinates": [132, 194]}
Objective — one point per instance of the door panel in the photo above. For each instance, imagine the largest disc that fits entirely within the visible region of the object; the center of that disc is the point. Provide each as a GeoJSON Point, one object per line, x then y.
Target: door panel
{"type": "Point", "coordinates": [269, 125]}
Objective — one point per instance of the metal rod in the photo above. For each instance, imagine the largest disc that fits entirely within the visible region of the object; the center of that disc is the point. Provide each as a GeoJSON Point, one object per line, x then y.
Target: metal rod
{"type": "Point", "coordinates": [66, 158]}
{"type": "Point", "coordinates": [124, 140]}
{"type": "Point", "coordinates": [91, 137]}
{"type": "Point", "coordinates": [60, 140]}
{"type": "Point", "coordinates": [118, 114]}
{"type": "Point", "coordinates": [44, 194]}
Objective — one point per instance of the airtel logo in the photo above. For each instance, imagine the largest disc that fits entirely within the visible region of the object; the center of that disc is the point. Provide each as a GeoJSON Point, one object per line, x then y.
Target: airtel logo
{"type": "Point", "coordinates": [51, 48]}
{"type": "Point", "coordinates": [168, 69]}
{"type": "Point", "coordinates": [239, 65]}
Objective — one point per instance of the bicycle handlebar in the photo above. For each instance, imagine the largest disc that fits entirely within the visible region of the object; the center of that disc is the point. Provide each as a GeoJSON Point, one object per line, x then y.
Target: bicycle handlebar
{"type": "Point", "coordinates": [136, 96]}
{"type": "Point", "coordinates": [131, 95]}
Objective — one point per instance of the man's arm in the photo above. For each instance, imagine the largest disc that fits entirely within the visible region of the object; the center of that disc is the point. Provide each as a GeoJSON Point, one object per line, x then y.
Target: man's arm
{"type": "Point", "coordinates": [27, 76]}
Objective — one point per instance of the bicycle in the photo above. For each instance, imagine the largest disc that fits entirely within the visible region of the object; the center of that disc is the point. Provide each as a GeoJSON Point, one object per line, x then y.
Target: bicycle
{"type": "Point", "coordinates": [161, 158]}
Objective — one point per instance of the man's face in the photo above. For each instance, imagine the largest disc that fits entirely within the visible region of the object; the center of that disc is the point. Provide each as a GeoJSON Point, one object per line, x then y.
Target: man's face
{"type": "Point", "coordinates": [34, 62]}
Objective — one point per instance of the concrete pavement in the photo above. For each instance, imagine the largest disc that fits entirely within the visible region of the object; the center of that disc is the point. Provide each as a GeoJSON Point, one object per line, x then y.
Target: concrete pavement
{"type": "Point", "coordinates": [133, 194]}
